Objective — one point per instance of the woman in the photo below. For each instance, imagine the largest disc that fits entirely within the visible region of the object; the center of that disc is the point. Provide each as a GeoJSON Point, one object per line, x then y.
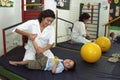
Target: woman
{"type": "Point", "coordinates": [44, 32]}
{"type": "Point", "coordinates": [79, 33]}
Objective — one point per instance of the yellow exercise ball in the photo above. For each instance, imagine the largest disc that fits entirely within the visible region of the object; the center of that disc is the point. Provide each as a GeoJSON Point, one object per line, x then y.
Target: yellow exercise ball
{"type": "Point", "coordinates": [90, 52]}
{"type": "Point", "coordinates": [104, 43]}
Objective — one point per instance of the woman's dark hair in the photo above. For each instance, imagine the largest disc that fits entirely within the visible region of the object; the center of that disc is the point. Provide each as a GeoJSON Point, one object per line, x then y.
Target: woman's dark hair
{"type": "Point", "coordinates": [84, 16]}
{"type": "Point", "coordinates": [46, 13]}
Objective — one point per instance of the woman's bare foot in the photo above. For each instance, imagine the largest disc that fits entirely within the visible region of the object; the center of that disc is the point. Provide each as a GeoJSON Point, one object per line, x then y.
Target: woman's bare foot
{"type": "Point", "coordinates": [13, 63]}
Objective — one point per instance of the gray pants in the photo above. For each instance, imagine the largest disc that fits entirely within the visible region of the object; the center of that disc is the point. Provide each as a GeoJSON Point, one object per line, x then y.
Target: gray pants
{"type": "Point", "coordinates": [39, 63]}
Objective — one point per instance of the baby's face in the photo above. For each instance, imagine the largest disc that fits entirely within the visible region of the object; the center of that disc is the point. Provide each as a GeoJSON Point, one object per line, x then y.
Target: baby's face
{"type": "Point", "coordinates": [68, 63]}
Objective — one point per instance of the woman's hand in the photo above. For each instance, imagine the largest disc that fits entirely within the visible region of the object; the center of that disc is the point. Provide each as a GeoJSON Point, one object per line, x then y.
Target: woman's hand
{"type": "Point", "coordinates": [39, 50]}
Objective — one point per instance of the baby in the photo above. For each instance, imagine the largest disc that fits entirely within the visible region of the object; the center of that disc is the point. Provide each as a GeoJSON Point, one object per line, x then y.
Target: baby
{"type": "Point", "coordinates": [42, 62]}
{"type": "Point", "coordinates": [112, 36]}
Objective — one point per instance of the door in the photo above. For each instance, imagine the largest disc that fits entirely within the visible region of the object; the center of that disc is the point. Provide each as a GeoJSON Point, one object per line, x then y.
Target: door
{"type": "Point", "coordinates": [31, 9]}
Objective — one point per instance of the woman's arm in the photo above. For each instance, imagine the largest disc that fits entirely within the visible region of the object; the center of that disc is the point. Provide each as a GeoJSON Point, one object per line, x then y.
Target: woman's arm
{"type": "Point", "coordinates": [29, 35]}
{"type": "Point", "coordinates": [48, 47]}
{"type": "Point", "coordinates": [39, 49]}
{"type": "Point", "coordinates": [22, 32]}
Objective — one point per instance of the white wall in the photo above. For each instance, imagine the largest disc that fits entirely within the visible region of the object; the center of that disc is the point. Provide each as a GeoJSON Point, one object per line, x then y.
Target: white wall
{"type": "Point", "coordinates": [50, 4]}
{"type": "Point", "coordinates": [8, 17]}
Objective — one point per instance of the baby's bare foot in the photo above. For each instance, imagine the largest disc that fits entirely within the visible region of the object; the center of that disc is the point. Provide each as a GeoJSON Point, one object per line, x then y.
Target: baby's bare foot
{"type": "Point", "coordinates": [13, 63]}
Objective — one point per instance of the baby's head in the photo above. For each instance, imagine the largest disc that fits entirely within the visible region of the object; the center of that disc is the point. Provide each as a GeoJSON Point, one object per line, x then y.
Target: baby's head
{"type": "Point", "coordinates": [112, 34]}
{"type": "Point", "coordinates": [69, 64]}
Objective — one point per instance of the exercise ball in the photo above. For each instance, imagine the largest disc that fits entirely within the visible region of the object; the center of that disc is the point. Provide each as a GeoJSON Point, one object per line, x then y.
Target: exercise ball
{"type": "Point", "coordinates": [90, 52]}
{"type": "Point", "coordinates": [104, 43]}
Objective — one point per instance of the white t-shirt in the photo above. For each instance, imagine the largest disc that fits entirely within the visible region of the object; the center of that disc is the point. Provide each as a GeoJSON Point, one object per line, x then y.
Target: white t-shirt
{"type": "Point", "coordinates": [47, 36]}
{"type": "Point", "coordinates": [78, 32]}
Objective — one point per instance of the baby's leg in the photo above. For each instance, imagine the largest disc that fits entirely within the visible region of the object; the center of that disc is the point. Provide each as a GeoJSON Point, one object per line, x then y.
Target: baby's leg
{"type": "Point", "coordinates": [15, 63]}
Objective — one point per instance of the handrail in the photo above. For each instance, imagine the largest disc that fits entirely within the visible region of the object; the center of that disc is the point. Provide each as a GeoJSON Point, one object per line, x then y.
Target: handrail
{"type": "Point", "coordinates": [65, 20]}
{"type": "Point", "coordinates": [4, 37]}
{"type": "Point", "coordinates": [108, 24]}
{"type": "Point", "coordinates": [62, 20]}
{"type": "Point", "coordinates": [114, 20]}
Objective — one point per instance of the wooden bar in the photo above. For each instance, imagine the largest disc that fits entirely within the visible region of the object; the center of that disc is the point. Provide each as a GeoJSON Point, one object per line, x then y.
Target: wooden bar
{"type": "Point", "coordinates": [33, 4]}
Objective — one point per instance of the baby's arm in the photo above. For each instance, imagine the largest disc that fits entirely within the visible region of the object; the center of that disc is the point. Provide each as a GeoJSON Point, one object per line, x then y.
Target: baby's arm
{"type": "Point", "coordinates": [54, 67]}
{"type": "Point", "coordinates": [56, 60]}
